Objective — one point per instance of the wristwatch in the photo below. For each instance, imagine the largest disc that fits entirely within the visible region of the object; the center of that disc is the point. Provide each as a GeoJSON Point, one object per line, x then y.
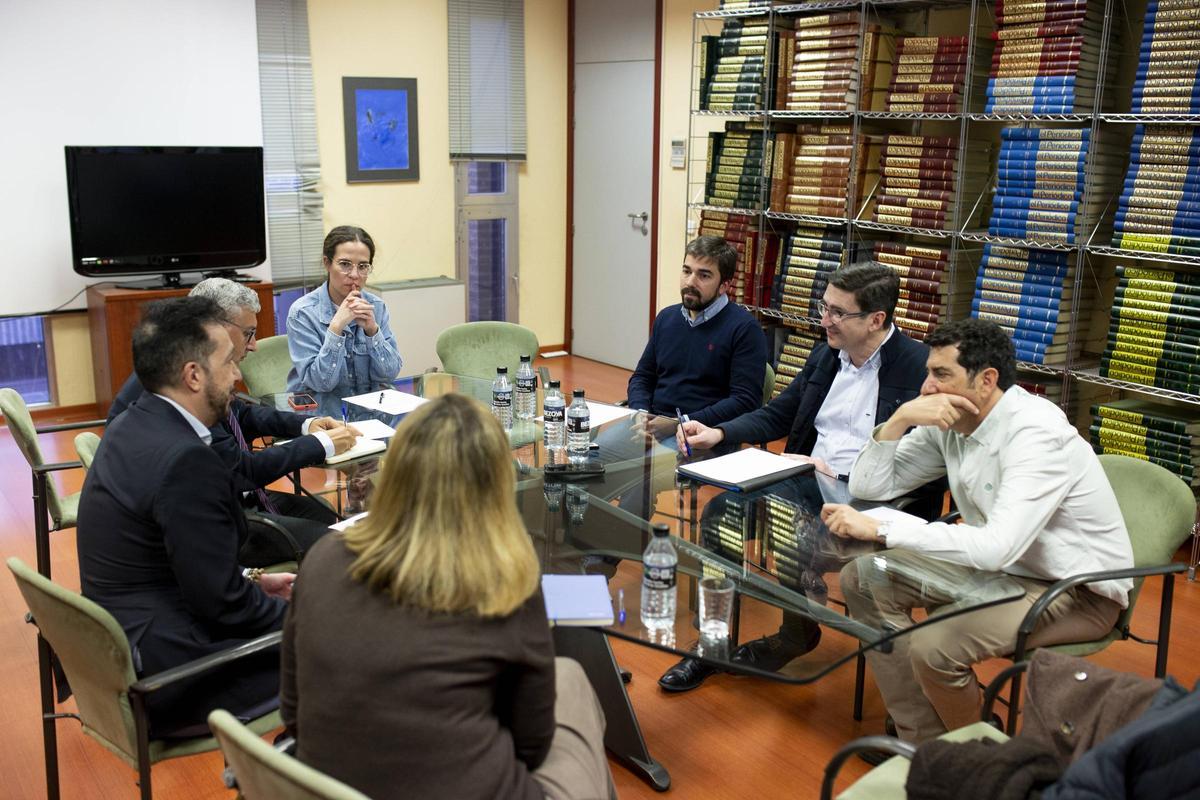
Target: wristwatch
{"type": "Point", "coordinates": [881, 533]}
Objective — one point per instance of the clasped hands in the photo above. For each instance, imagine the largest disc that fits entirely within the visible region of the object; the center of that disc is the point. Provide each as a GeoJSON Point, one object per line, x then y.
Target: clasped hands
{"type": "Point", "coordinates": [355, 308]}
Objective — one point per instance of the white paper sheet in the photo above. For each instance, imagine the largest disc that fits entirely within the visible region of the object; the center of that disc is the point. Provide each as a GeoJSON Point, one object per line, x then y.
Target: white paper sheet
{"type": "Point", "coordinates": [389, 401]}
{"type": "Point", "coordinates": [346, 523]}
{"type": "Point", "coordinates": [889, 514]}
{"type": "Point", "coordinates": [601, 412]}
{"type": "Point", "coordinates": [740, 467]}
{"type": "Point", "coordinates": [374, 429]}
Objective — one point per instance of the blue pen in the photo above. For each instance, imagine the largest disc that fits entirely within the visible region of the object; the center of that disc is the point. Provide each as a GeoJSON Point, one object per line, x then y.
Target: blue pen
{"type": "Point", "coordinates": [343, 413]}
{"type": "Point", "coordinates": [682, 419]}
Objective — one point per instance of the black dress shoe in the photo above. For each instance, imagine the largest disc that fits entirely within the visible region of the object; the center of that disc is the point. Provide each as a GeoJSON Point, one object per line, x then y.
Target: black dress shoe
{"type": "Point", "coordinates": [686, 675]}
{"type": "Point", "coordinates": [770, 653]}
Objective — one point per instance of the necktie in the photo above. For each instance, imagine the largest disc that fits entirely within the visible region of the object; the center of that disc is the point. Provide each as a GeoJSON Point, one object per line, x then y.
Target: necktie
{"type": "Point", "coordinates": [263, 500]}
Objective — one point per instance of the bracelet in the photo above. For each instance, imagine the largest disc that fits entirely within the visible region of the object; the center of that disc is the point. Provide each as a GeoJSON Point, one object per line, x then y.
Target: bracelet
{"type": "Point", "coordinates": [255, 574]}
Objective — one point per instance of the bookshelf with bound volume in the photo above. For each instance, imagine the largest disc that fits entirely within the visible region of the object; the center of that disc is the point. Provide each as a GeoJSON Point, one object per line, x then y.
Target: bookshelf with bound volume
{"type": "Point", "coordinates": [1033, 162]}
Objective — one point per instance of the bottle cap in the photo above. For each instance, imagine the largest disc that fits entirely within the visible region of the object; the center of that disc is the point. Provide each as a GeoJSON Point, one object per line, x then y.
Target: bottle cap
{"type": "Point", "coordinates": [660, 529]}
{"type": "Point", "coordinates": [552, 384]}
{"type": "Point", "coordinates": [501, 370]}
{"type": "Point", "coordinates": [524, 358]}
{"type": "Point", "coordinates": [577, 393]}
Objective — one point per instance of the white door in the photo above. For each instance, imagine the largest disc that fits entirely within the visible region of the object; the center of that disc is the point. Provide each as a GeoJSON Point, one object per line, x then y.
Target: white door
{"type": "Point", "coordinates": [614, 125]}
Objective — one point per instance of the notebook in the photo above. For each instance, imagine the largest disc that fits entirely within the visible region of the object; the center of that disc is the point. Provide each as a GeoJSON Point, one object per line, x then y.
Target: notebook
{"type": "Point", "coordinates": [577, 600]}
{"type": "Point", "coordinates": [362, 447]}
{"type": "Point", "coordinates": [746, 470]}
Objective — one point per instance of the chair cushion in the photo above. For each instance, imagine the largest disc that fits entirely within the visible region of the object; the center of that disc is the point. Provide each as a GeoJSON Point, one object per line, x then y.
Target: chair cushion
{"type": "Point", "coordinates": [887, 780]}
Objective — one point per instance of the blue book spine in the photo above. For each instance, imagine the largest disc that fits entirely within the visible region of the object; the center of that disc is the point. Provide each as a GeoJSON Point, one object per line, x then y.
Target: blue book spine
{"type": "Point", "coordinates": [1018, 312]}
{"type": "Point", "coordinates": [1028, 281]}
{"type": "Point", "coordinates": [1057, 134]}
{"type": "Point", "coordinates": [1023, 300]}
{"type": "Point", "coordinates": [1035, 234]}
{"type": "Point", "coordinates": [1023, 287]}
{"type": "Point", "coordinates": [1032, 337]}
{"type": "Point", "coordinates": [1020, 216]}
{"type": "Point", "coordinates": [1034, 204]}
{"type": "Point", "coordinates": [1043, 258]}
{"type": "Point", "coordinates": [1015, 324]}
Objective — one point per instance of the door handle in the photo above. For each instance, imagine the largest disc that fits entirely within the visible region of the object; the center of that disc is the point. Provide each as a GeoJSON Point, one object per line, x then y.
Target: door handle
{"type": "Point", "coordinates": [644, 217]}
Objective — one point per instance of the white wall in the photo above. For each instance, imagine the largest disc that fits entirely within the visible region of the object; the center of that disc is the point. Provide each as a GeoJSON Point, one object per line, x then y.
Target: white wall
{"type": "Point", "coordinates": [107, 72]}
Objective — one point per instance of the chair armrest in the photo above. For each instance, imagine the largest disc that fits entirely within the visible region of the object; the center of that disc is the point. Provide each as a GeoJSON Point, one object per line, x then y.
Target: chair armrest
{"type": "Point", "coordinates": [71, 426]}
{"type": "Point", "coordinates": [43, 469]}
{"type": "Point", "coordinates": [992, 690]}
{"type": "Point", "coordinates": [887, 744]}
{"type": "Point", "coordinates": [206, 664]}
{"type": "Point", "coordinates": [1058, 587]}
{"type": "Point", "coordinates": [954, 516]}
{"type": "Point", "coordinates": [543, 373]}
{"type": "Point", "coordinates": [250, 399]}
{"type": "Point", "coordinates": [254, 516]}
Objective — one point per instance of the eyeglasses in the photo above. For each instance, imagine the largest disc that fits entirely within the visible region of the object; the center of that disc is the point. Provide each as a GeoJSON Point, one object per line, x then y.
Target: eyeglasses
{"type": "Point", "coordinates": [348, 267]}
{"type": "Point", "coordinates": [247, 333]}
{"type": "Point", "coordinates": [836, 314]}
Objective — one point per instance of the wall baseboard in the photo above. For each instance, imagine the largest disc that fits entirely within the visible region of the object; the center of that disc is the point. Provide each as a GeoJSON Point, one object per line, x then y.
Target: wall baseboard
{"type": "Point", "coordinates": [62, 414]}
{"type": "Point", "coordinates": [551, 348]}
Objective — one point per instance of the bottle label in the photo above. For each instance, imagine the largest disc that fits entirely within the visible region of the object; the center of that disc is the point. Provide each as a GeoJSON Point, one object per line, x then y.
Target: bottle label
{"type": "Point", "coordinates": [554, 414]}
{"type": "Point", "coordinates": [658, 577]}
{"type": "Point", "coordinates": [526, 384]}
{"type": "Point", "coordinates": [502, 399]}
{"type": "Point", "coordinates": [579, 425]}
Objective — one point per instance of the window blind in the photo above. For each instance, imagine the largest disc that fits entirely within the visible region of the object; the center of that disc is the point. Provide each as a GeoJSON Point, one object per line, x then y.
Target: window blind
{"type": "Point", "coordinates": [293, 167]}
{"type": "Point", "coordinates": [487, 79]}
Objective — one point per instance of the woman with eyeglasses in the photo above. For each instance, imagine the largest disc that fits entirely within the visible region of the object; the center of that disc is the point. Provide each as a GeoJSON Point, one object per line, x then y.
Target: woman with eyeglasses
{"type": "Point", "coordinates": [338, 334]}
{"type": "Point", "coordinates": [417, 660]}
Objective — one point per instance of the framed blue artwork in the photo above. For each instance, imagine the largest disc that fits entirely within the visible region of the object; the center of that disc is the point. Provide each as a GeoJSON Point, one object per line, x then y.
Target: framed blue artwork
{"type": "Point", "coordinates": [381, 129]}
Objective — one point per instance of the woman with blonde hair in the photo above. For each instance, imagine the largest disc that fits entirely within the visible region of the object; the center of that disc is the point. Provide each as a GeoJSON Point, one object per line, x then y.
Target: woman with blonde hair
{"type": "Point", "coordinates": [417, 659]}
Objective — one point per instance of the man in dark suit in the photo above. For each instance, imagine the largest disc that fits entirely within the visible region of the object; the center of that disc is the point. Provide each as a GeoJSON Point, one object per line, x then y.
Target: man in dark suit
{"type": "Point", "coordinates": [160, 522]}
{"type": "Point", "coordinates": [313, 440]}
{"type": "Point", "coordinates": [853, 381]}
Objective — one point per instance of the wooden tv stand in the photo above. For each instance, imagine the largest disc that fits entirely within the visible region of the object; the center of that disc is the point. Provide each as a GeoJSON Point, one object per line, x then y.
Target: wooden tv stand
{"type": "Point", "coordinates": [112, 315]}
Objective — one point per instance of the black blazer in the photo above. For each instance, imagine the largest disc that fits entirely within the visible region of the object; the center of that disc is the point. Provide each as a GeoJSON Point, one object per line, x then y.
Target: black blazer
{"type": "Point", "coordinates": [160, 525]}
{"type": "Point", "coordinates": [253, 468]}
{"type": "Point", "coordinates": [794, 412]}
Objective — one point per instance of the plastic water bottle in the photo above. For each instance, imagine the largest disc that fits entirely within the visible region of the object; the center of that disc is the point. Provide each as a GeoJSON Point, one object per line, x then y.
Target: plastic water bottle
{"type": "Point", "coordinates": [658, 580]}
{"type": "Point", "coordinates": [502, 398]}
{"type": "Point", "coordinates": [526, 390]}
{"type": "Point", "coordinates": [554, 429]}
{"type": "Point", "coordinates": [579, 428]}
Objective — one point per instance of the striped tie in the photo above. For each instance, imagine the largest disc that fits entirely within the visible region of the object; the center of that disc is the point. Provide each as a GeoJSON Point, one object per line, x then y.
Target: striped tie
{"type": "Point", "coordinates": [263, 500]}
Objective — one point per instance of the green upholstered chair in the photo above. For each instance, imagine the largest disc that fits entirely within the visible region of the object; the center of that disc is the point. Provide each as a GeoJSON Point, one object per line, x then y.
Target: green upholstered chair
{"type": "Point", "coordinates": [475, 349]}
{"type": "Point", "coordinates": [95, 657]}
{"type": "Point", "coordinates": [264, 773]}
{"type": "Point", "coordinates": [85, 446]}
{"type": "Point", "coordinates": [768, 383]}
{"type": "Point", "coordinates": [51, 511]}
{"type": "Point", "coordinates": [265, 370]}
{"type": "Point", "coordinates": [1159, 511]}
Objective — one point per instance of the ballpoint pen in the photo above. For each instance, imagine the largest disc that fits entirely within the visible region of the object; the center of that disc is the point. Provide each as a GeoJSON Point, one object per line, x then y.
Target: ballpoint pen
{"type": "Point", "coordinates": [343, 413]}
{"type": "Point", "coordinates": [621, 606]}
{"type": "Point", "coordinates": [682, 419]}
{"type": "Point", "coordinates": [381, 398]}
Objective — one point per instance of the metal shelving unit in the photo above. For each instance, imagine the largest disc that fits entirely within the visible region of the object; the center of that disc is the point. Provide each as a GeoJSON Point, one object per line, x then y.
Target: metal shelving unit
{"type": "Point", "coordinates": [956, 239]}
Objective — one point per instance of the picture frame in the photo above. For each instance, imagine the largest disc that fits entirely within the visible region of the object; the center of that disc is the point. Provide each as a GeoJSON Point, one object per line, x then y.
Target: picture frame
{"type": "Point", "coordinates": [380, 118]}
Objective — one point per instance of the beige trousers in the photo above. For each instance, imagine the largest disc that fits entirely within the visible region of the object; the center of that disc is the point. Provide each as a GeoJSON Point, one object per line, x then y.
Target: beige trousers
{"type": "Point", "coordinates": [576, 767]}
{"type": "Point", "coordinates": [927, 681]}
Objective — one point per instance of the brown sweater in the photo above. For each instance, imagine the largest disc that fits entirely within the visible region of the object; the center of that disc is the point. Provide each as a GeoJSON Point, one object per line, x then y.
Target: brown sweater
{"type": "Point", "coordinates": [400, 703]}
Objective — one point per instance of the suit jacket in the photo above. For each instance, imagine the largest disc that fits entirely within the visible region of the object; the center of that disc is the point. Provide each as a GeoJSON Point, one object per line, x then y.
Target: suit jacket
{"type": "Point", "coordinates": [253, 468]}
{"type": "Point", "coordinates": [160, 524]}
{"type": "Point", "coordinates": [794, 412]}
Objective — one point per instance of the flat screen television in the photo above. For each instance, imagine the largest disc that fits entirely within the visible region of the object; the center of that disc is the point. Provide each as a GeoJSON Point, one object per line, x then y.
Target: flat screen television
{"type": "Point", "coordinates": [165, 210]}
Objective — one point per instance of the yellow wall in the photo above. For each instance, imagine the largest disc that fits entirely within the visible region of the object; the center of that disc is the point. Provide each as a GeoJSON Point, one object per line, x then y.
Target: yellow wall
{"type": "Point", "coordinates": [675, 70]}
{"type": "Point", "coordinates": [413, 223]}
{"type": "Point", "coordinates": [71, 359]}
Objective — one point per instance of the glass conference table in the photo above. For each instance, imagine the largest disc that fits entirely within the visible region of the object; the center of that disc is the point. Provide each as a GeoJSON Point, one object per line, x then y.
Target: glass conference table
{"type": "Point", "coordinates": [773, 549]}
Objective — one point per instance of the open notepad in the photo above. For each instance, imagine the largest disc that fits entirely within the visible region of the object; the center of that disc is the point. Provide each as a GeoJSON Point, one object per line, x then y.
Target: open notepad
{"type": "Point", "coordinates": [577, 600]}
{"type": "Point", "coordinates": [362, 447]}
{"type": "Point", "coordinates": [745, 470]}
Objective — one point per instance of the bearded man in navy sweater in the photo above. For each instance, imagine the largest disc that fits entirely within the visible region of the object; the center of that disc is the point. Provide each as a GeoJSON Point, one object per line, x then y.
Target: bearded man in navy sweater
{"type": "Point", "coordinates": [706, 358]}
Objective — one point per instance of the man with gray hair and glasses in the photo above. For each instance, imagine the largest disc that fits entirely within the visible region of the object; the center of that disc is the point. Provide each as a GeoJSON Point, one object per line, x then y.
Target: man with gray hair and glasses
{"type": "Point", "coordinates": [313, 440]}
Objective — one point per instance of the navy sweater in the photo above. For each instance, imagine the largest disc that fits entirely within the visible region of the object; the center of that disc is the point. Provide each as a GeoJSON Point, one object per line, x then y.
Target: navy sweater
{"type": "Point", "coordinates": [712, 372]}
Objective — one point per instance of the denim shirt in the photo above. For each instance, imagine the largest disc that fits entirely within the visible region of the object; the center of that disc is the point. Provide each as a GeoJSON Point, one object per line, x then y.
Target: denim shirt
{"type": "Point", "coordinates": [332, 366]}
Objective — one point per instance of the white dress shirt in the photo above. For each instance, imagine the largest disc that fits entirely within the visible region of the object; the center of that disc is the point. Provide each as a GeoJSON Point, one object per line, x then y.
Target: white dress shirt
{"type": "Point", "coordinates": [1033, 496]}
{"type": "Point", "coordinates": [846, 418]}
